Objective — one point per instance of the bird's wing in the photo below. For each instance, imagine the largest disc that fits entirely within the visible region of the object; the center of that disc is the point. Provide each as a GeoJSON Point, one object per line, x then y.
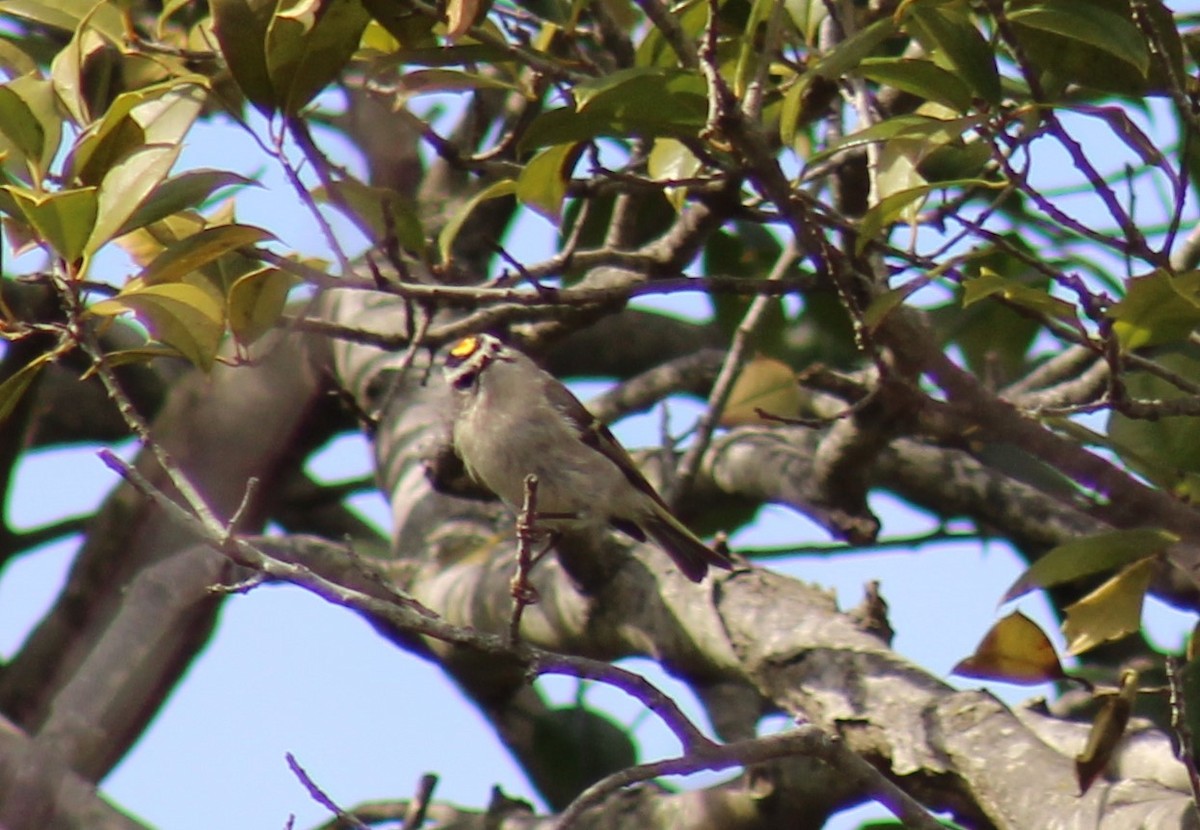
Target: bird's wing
{"type": "Point", "coordinates": [597, 436]}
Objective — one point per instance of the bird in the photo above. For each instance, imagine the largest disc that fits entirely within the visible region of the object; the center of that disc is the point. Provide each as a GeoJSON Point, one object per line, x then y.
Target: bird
{"type": "Point", "coordinates": [513, 419]}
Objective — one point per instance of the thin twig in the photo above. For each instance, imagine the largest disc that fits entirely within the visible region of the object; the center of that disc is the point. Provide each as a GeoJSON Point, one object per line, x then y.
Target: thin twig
{"type": "Point", "coordinates": [805, 740]}
{"type": "Point", "coordinates": [319, 796]}
{"type": "Point", "coordinates": [689, 465]}
{"type": "Point", "coordinates": [523, 592]}
{"type": "Point", "coordinates": [406, 614]}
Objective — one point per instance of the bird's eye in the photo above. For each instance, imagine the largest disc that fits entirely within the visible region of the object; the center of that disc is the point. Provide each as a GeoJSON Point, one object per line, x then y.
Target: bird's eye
{"type": "Point", "coordinates": [464, 380]}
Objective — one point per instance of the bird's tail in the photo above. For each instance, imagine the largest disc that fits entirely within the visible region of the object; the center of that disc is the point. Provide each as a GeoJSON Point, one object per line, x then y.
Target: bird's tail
{"type": "Point", "coordinates": [690, 554]}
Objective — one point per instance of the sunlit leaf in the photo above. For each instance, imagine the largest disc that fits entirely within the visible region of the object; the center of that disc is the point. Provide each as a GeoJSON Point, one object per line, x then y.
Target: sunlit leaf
{"type": "Point", "coordinates": [182, 315]}
{"type": "Point", "coordinates": [1157, 308]}
{"type": "Point", "coordinates": [504, 187]}
{"type": "Point", "coordinates": [766, 385]}
{"type": "Point", "coordinates": [989, 284]}
{"type": "Point", "coordinates": [63, 219]}
{"type": "Point", "coordinates": [1015, 650]}
{"type": "Point", "coordinates": [543, 183]}
{"type": "Point", "coordinates": [14, 387]}
{"type": "Point", "coordinates": [127, 186]}
{"type": "Point", "coordinates": [200, 249]}
{"type": "Point", "coordinates": [30, 119]}
{"type": "Point", "coordinates": [462, 14]}
{"type": "Point", "coordinates": [1112, 611]}
{"type": "Point", "coordinates": [256, 302]}
{"type": "Point", "coordinates": [671, 160]}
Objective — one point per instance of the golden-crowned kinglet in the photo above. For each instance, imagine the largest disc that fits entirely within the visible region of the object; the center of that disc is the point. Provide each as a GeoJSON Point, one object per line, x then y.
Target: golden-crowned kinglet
{"type": "Point", "coordinates": [512, 419]}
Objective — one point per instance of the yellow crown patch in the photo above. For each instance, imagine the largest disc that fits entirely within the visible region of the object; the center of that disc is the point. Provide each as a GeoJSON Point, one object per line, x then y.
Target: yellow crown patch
{"type": "Point", "coordinates": [465, 348]}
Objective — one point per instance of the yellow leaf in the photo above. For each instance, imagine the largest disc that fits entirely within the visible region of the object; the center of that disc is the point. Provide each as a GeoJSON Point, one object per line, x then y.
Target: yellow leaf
{"type": "Point", "coordinates": [184, 316]}
{"type": "Point", "coordinates": [764, 384]}
{"type": "Point", "coordinates": [1111, 611]}
{"type": "Point", "coordinates": [1015, 650]}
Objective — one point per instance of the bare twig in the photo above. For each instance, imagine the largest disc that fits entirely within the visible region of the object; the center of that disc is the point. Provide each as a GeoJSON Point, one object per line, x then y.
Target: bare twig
{"type": "Point", "coordinates": [689, 465]}
{"type": "Point", "coordinates": [806, 740]}
{"type": "Point", "coordinates": [318, 795]}
{"type": "Point", "coordinates": [523, 592]}
{"type": "Point", "coordinates": [407, 614]}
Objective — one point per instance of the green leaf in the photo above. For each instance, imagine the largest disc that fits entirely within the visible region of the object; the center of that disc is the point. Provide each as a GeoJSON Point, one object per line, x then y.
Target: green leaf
{"type": "Point", "coordinates": [671, 160]}
{"type": "Point", "coordinates": [451, 80]}
{"type": "Point", "coordinates": [922, 78]}
{"type": "Point", "coordinates": [17, 384]}
{"type": "Point", "coordinates": [989, 284]}
{"type": "Point", "coordinates": [127, 186]}
{"type": "Point", "coordinates": [1091, 555]}
{"type": "Point", "coordinates": [158, 114]}
{"type": "Point", "coordinates": [950, 35]}
{"type": "Point", "coordinates": [241, 30]}
{"type": "Point", "coordinates": [379, 212]}
{"type": "Point", "coordinates": [1165, 449]}
{"type": "Point", "coordinates": [73, 66]}
{"type": "Point", "coordinates": [504, 187]}
{"type": "Point", "coordinates": [543, 183]}
{"type": "Point", "coordinates": [764, 384]}
{"type": "Point", "coordinates": [256, 302]}
{"type": "Point", "coordinates": [184, 316]}
{"type": "Point", "coordinates": [644, 102]}
{"type": "Point", "coordinates": [63, 219]}
{"type": "Point", "coordinates": [308, 44]}
{"type": "Point", "coordinates": [1157, 308]}
{"type": "Point", "coordinates": [890, 209]}
{"type": "Point", "coordinates": [807, 16]}
{"type": "Point", "coordinates": [995, 337]}
{"type": "Point", "coordinates": [187, 190]}
{"type": "Point", "coordinates": [30, 118]}
{"type": "Point", "coordinates": [641, 92]}
{"type": "Point", "coordinates": [849, 53]}
{"type": "Point", "coordinates": [190, 254]}
{"type": "Point", "coordinates": [931, 133]}
{"type": "Point", "coordinates": [69, 15]}
{"type": "Point", "coordinates": [1089, 23]}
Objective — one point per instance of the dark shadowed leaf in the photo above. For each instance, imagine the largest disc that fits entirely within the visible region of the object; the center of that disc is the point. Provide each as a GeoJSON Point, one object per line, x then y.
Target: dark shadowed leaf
{"type": "Point", "coordinates": [1107, 729]}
